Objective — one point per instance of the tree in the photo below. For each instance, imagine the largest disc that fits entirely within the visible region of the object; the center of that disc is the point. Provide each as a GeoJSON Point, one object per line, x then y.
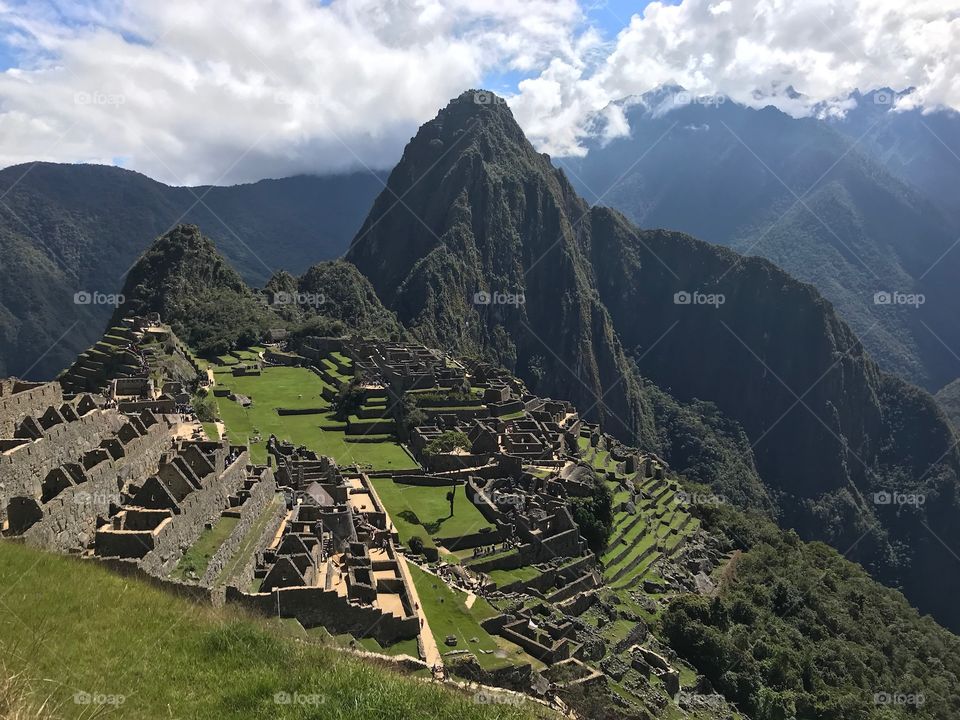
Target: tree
{"type": "Point", "coordinates": [205, 408]}
{"type": "Point", "coordinates": [448, 442]}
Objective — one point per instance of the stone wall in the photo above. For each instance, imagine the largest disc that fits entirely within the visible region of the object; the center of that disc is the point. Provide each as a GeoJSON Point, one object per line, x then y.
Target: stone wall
{"type": "Point", "coordinates": [244, 576]}
{"type": "Point", "coordinates": [260, 496]}
{"type": "Point", "coordinates": [23, 469]}
{"type": "Point", "coordinates": [197, 510]}
{"type": "Point", "coordinates": [70, 518]}
{"type": "Point", "coordinates": [18, 399]}
{"type": "Point", "coordinates": [314, 606]}
{"type": "Point", "coordinates": [477, 539]}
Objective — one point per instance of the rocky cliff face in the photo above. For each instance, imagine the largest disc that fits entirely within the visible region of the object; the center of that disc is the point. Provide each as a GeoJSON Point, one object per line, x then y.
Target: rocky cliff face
{"type": "Point", "coordinates": [480, 244]}
{"type": "Point", "coordinates": [472, 208]}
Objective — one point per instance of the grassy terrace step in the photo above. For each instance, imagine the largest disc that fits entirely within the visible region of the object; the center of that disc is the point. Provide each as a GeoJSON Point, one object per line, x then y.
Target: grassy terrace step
{"type": "Point", "coordinates": [520, 574]}
{"type": "Point", "coordinates": [628, 531]}
{"type": "Point", "coordinates": [637, 573]}
{"type": "Point", "coordinates": [616, 570]}
{"type": "Point", "coordinates": [197, 557]}
{"type": "Point", "coordinates": [103, 634]}
{"type": "Point", "coordinates": [447, 613]}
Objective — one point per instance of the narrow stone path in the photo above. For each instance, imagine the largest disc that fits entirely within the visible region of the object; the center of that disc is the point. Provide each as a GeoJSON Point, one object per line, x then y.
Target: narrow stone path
{"type": "Point", "coordinates": [431, 653]}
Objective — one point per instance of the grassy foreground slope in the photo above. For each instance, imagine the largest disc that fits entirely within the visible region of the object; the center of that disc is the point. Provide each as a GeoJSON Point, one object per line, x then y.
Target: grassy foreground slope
{"type": "Point", "coordinates": [79, 632]}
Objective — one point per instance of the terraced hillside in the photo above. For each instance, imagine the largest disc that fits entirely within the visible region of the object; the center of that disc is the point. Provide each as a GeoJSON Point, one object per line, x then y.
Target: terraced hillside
{"type": "Point", "coordinates": [124, 351]}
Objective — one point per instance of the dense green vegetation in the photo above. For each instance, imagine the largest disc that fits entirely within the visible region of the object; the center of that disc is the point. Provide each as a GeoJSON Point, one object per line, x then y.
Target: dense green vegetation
{"type": "Point", "coordinates": [159, 656]}
{"type": "Point", "coordinates": [196, 292]}
{"type": "Point", "coordinates": [594, 513]}
{"type": "Point", "coordinates": [798, 631]}
{"type": "Point", "coordinates": [333, 298]}
{"type": "Point", "coordinates": [66, 228]}
{"type": "Point", "coordinates": [448, 441]}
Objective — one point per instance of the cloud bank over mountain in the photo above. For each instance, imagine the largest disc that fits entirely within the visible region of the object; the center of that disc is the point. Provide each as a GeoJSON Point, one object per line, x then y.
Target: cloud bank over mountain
{"type": "Point", "coordinates": [318, 87]}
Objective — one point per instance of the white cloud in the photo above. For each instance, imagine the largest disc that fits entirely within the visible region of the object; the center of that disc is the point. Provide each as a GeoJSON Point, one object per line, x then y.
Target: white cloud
{"type": "Point", "coordinates": [232, 90]}
{"type": "Point", "coordinates": [823, 48]}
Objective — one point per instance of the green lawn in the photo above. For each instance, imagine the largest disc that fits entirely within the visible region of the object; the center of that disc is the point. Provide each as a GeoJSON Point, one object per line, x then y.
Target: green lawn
{"type": "Point", "coordinates": [448, 614]}
{"type": "Point", "coordinates": [197, 557]}
{"type": "Point", "coordinates": [71, 627]}
{"type": "Point", "coordinates": [425, 510]}
{"type": "Point", "coordinates": [297, 388]}
{"type": "Point", "coordinates": [520, 574]}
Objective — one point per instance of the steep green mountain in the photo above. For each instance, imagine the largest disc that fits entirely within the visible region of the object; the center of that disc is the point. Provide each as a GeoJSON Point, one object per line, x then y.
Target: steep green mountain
{"type": "Point", "coordinates": [482, 212]}
{"type": "Point", "coordinates": [205, 301]}
{"type": "Point", "coordinates": [914, 144]}
{"type": "Point", "coordinates": [816, 197]}
{"type": "Point", "coordinates": [67, 229]}
{"type": "Point", "coordinates": [459, 260]}
{"type": "Point", "coordinates": [331, 298]}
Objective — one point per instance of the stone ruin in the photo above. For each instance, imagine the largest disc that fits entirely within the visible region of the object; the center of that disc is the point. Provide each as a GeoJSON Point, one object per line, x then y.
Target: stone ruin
{"type": "Point", "coordinates": [333, 561]}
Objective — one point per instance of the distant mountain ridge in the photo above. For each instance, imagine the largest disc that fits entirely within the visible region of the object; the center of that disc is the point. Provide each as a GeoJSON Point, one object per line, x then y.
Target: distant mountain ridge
{"type": "Point", "coordinates": [608, 311]}
{"type": "Point", "coordinates": [67, 229]}
{"type": "Point", "coordinates": [846, 204]}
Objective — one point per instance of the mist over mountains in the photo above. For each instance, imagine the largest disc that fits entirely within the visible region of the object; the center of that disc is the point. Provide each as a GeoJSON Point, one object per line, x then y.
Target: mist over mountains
{"type": "Point", "coordinates": [860, 205]}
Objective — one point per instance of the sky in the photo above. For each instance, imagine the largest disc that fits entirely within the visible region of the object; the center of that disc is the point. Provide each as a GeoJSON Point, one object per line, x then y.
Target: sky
{"type": "Point", "coordinates": [228, 91]}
